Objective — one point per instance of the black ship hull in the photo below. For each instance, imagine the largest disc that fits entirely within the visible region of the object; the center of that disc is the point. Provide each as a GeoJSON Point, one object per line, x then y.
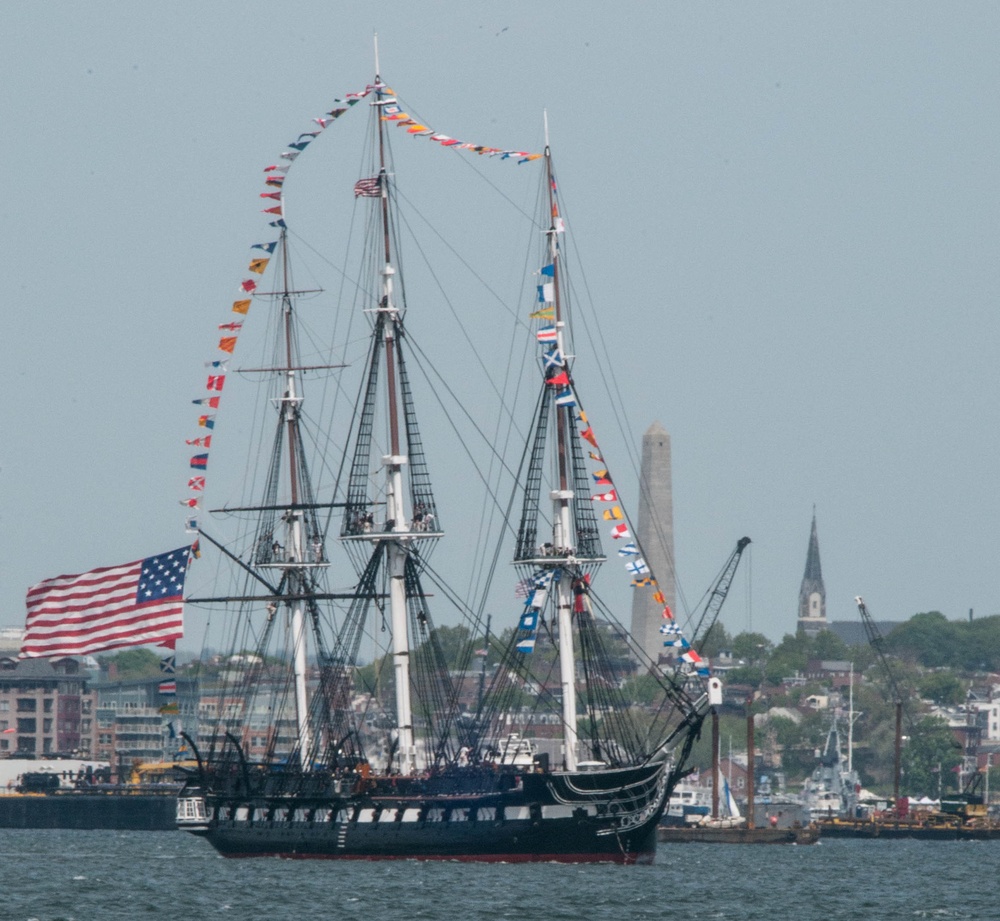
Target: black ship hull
{"type": "Point", "coordinates": [90, 811]}
{"type": "Point", "coordinates": [605, 816]}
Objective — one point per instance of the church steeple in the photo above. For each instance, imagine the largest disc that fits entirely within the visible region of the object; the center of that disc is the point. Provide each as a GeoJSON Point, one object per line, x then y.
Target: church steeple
{"type": "Point", "coordinates": [812, 594]}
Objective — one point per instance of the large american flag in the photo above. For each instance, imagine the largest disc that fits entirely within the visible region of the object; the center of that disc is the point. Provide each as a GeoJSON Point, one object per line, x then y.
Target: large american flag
{"type": "Point", "coordinates": [129, 605]}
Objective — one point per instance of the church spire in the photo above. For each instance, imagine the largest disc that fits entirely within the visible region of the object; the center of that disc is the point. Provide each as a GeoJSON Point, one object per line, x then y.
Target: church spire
{"type": "Point", "coordinates": [812, 594]}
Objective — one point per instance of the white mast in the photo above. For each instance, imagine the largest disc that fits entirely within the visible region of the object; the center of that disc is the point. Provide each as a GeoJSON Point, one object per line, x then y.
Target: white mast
{"type": "Point", "coordinates": [296, 546]}
{"type": "Point", "coordinates": [562, 497]}
{"type": "Point", "coordinates": [294, 538]}
{"type": "Point", "coordinates": [850, 723]}
{"type": "Point", "coordinates": [397, 522]}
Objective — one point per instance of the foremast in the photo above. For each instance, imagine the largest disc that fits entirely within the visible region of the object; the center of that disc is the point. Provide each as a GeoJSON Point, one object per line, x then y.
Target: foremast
{"type": "Point", "coordinates": [292, 544]}
{"type": "Point", "coordinates": [290, 404]}
{"type": "Point", "coordinates": [561, 567]}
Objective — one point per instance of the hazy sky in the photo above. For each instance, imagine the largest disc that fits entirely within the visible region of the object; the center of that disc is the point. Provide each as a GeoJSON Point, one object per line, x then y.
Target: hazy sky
{"type": "Point", "coordinates": [789, 212]}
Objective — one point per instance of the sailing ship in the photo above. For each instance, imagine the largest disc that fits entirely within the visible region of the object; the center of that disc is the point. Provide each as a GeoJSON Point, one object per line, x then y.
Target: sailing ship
{"type": "Point", "coordinates": [322, 755]}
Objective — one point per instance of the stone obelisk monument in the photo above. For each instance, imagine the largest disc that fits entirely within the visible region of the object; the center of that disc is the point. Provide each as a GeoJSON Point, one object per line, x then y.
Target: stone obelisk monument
{"type": "Point", "coordinates": [655, 535]}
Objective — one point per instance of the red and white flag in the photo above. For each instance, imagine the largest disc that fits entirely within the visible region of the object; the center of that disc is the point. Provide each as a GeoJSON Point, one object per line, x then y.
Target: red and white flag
{"type": "Point", "coordinates": [368, 188]}
{"type": "Point", "coordinates": [134, 604]}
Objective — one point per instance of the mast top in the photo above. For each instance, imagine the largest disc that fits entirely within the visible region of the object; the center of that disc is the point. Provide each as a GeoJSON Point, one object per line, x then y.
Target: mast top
{"type": "Point", "coordinates": [378, 78]}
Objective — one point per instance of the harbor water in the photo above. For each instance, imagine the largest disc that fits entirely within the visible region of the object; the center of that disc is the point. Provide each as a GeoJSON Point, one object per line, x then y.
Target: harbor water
{"type": "Point", "coordinates": [54, 875]}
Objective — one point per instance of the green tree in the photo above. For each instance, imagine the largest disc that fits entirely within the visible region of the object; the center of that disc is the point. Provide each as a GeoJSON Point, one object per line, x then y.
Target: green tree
{"type": "Point", "coordinates": [642, 689]}
{"type": "Point", "coordinates": [828, 646]}
{"type": "Point", "coordinates": [752, 647]}
{"type": "Point", "coordinates": [800, 742]}
{"type": "Point", "coordinates": [930, 756]}
{"type": "Point", "coordinates": [714, 641]}
{"type": "Point", "coordinates": [730, 728]}
{"type": "Point", "coordinates": [981, 650]}
{"type": "Point", "coordinates": [133, 663]}
{"type": "Point", "coordinates": [752, 675]}
{"type": "Point", "coordinates": [929, 638]}
{"type": "Point", "coordinates": [455, 644]}
{"type": "Point", "coordinates": [942, 687]}
{"type": "Point", "coordinates": [790, 656]}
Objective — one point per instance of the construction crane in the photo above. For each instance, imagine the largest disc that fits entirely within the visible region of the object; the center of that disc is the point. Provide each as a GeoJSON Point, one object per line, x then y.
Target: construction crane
{"type": "Point", "coordinates": [969, 802]}
{"type": "Point", "coordinates": [710, 615]}
{"type": "Point", "coordinates": [718, 595]}
{"type": "Point", "coordinates": [877, 642]}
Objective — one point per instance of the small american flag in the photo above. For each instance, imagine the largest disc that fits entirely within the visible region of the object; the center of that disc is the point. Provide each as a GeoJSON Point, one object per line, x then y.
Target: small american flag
{"type": "Point", "coordinates": [108, 608]}
{"type": "Point", "coordinates": [368, 188]}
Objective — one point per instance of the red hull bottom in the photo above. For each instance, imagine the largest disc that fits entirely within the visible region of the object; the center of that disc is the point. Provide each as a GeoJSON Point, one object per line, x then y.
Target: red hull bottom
{"type": "Point", "coordinates": [641, 859]}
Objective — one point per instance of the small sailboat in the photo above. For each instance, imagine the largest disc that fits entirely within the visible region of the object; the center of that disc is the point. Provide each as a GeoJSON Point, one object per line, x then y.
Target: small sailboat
{"type": "Point", "coordinates": [725, 824]}
{"type": "Point", "coordinates": [521, 746]}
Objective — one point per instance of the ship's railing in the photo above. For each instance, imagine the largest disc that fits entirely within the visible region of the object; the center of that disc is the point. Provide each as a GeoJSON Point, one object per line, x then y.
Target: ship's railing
{"type": "Point", "coordinates": [191, 812]}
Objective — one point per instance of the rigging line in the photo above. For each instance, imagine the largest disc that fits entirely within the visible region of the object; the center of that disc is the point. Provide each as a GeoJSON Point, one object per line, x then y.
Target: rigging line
{"type": "Point", "coordinates": [490, 492]}
{"type": "Point", "coordinates": [470, 164]}
{"type": "Point", "coordinates": [472, 271]}
{"type": "Point", "coordinates": [239, 562]}
{"type": "Point", "coordinates": [654, 519]}
{"type": "Point", "coordinates": [490, 447]}
{"type": "Point", "coordinates": [473, 350]}
{"type": "Point", "coordinates": [261, 420]}
{"type": "Point", "coordinates": [356, 420]}
{"type": "Point", "coordinates": [324, 466]}
{"type": "Point", "coordinates": [490, 498]}
{"type": "Point", "coordinates": [345, 277]}
{"type": "Point", "coordinates": [606, 369]}
{"type": "Point", "coordinates": [481, 583]}
{"type": "Point", "coordinates": [644, 658]}
{"type": "Point", "coordinates": [475, 618]}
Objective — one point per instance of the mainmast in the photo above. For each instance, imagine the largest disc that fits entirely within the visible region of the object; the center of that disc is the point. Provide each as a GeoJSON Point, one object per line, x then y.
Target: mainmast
{"type": "Point", "coordinates": [396, 518]}
{"type": "Point", "coordinates": [390, 504]}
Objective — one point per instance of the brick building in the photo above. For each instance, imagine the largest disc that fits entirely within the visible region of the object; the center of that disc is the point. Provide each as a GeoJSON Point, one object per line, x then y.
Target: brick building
{"type": "Point", "coordinates": [45, 707]}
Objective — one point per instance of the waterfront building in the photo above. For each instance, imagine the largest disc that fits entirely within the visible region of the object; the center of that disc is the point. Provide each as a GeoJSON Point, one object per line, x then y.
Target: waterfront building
{"type": "Point", "coordinates": [45, 707]}
{"type": "Point", "coordinates": [141, 719]}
